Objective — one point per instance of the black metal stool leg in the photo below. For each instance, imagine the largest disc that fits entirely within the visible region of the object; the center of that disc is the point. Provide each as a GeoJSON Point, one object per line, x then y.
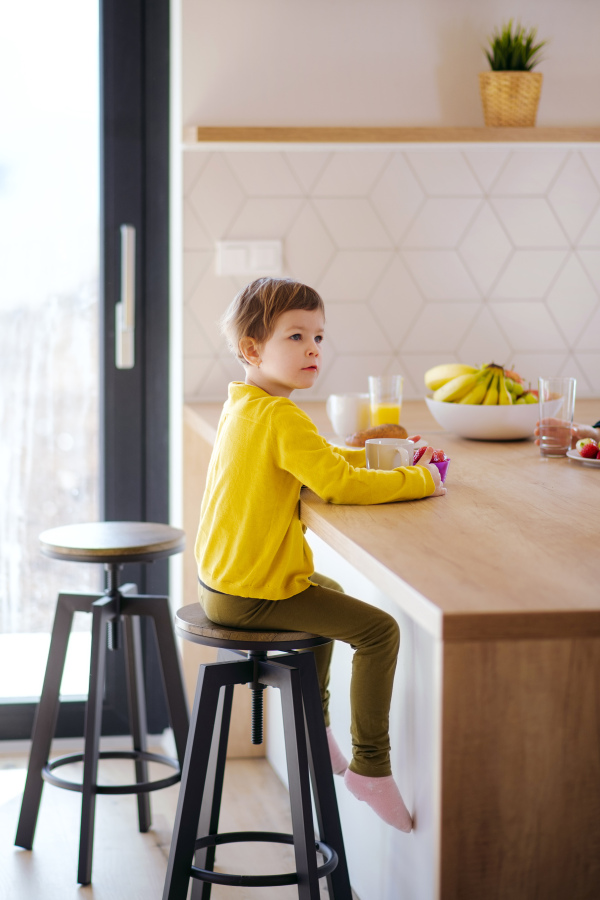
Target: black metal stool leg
{"type": "Point", "coordinates": [137, 710]}
{"type": "Point", "coordinates": [160, 613]}
{"type": "Point", "coordinates": [194, 777]}
{"type": "Point", "coordinates": [46, 715]}
{"type": "Point", "coordinates": [328, 818]}
{"type": "Point", "coordinates": [213, 791]}
{"type": "Point", "coordinates": [299, 784]}
{"type": "Point", "coordinates": [101, 611]}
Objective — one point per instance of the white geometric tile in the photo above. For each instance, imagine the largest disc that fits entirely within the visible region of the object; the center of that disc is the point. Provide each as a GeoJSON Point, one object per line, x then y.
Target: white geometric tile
{"type": "Point", "coordinates": [397, 196]}
{"type": "Point", "coordinates": [195, 264]}
{"type": "Point", "coordinates": [195, 235]}
{"type": "Point", "coordinates": [486, 163]}
{"type": "Point", "coordinates": [440, 327]}
{"type": "Point", "coordinates": [528, 326]}
{"type": "Point", "coordinates": [590, 338]}
{"type": "Point", "coordinates": [216, 196]}
{"type": "Point", "coordinates": [351, 328]}
{"type": "Point", "coordinates": [592, 158]}
{"type": "Point", "coordinates": [530, 222]}
{"type": "Point", "coordinates": [444, 173]}
{"type": "Point", "coordinates": [531, 365]}
{"type": "Point", "coordinates": [195, 370]}
{"type": "Point", "coordinates": [350, 372]}
{"type": "Point", "coordinates": [410, 391]}
{"type": "Point", "coordinates": [396, 301]}
{"type": "Point", "coordinates": [264, 218]}
{"type": "Point", "coordinates": [217, 379]}
{"type": "Point", "coordinates": [441, 222]}
{"type": "Point", "coordinates": [209, 301]}
{"type": "Point", "coordinates": [591, 233]}
{"type": "Point", "coordinates": [529, 274]}
{"type": "Point", "coordinates": [308, 247]}
{"type": "Point", "coordinates": [352, 223]}
{"type": "Point", "coordinates": [572, 369]}
{"type": "Point", "coordinates": [484, 341]}
{"type": "Point", "coordinates": [590, 260]}
{"type": "Point", "coordinates": [440, 274]}
{"type": "Point", "coordinates": [350, 173]}
{"type": "Point", "coordinates": [485, 248]}
{"type": "Point", "coordinates": [574, 195]}
{"type": "Point", "coordinates": [195, 342]}
{"type": "Point", "coordinates": [307, 165]}
{"type": "Point", "coordinates": [590, 363]}
{"type": "Point", "coordinates": [264, 174]}
{"type": "Point", "coordinates": [193, 163]}
{"type": "Point", "coordinates": [572, 300]}
{"type": "Point", "coordinates": [353, 274]}
{"type": "Point", "coordinates": [528, 172]}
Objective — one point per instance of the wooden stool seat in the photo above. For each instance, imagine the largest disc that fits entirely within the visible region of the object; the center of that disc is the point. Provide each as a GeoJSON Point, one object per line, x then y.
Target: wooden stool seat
{"type": "Point", "coordinates": [116, 542]}
{"type": "Point", "coordinates": [243, 659]}
{"type": "Point", "coordinates": [118, 609]}
{"type": "Point", "coordinates": [193, 624]}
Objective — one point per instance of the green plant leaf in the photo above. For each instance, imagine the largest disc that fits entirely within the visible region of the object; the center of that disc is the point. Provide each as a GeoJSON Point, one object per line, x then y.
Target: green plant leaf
{"type": "Point", "coordinates": [514, 50]}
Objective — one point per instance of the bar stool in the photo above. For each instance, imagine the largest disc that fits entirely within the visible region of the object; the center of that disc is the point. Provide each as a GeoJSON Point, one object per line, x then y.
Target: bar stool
{"type": "Point", "coordinates": [113, 544]}
{"type": "Point", "coordinates": [243, 659]}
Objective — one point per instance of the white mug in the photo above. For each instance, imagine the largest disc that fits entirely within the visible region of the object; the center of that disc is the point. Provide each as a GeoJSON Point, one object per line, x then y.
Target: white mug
{"type": "Point", "coordinates": [348, 412]}
{"type": "Point", "coordinates": [389, 453]}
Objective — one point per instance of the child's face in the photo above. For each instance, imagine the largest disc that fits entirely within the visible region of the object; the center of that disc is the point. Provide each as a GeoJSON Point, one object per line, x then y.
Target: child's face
{"type": "Point", "coordinates": [291, 358]}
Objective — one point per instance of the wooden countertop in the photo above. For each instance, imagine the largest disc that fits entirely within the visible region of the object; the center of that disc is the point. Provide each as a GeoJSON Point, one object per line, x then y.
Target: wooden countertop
{"type": "Point", "coordinates": [512, 550]}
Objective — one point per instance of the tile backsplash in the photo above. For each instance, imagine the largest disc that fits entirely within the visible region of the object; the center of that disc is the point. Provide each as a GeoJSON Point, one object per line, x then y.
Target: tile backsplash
{"type": "Point", "coordinates": [422, 253]}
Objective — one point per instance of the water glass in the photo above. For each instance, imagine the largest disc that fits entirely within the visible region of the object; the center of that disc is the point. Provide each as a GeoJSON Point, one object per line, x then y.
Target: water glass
{"type": "Point", "coordinates": [557, 407]}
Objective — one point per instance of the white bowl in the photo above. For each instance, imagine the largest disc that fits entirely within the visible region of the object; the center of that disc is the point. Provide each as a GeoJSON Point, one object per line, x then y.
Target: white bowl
{"type": "Point", "coordinates": [487, 423]}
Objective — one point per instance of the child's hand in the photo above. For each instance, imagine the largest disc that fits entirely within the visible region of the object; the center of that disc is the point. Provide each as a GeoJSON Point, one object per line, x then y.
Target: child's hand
{"type": "Point", "coordinates": [425, 461]}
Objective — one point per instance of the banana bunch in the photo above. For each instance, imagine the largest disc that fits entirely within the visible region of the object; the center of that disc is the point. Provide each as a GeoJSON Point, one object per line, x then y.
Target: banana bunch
{"type": "Point", "coordinates": [489, 385]}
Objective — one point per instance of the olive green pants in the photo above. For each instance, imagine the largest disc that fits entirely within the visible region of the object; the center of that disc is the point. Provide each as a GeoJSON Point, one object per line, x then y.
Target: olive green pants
{"type": "Point", "coordinates": [325, 609]}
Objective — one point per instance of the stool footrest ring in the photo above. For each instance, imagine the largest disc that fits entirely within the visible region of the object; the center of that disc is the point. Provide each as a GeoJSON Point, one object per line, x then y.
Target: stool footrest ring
{"type": "Point", "coordinates": [141, 787]}
{"type": "Point", "coordinates": [212, 840]}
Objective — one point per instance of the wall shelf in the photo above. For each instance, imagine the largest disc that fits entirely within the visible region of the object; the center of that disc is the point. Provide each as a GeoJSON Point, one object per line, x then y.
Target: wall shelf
{"type": "Point", "coordinates": [372, 135]}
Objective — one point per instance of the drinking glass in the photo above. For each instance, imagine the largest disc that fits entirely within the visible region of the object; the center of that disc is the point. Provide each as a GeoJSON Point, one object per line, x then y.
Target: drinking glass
{"type": "Point", "coordinates": [557, 406]}
{"type": "Point", "coordinates": [385, 393]}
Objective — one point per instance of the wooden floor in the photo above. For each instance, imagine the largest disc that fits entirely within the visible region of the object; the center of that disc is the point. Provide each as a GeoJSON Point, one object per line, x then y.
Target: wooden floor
{"type": "Point", "coordinates": [129, 865]}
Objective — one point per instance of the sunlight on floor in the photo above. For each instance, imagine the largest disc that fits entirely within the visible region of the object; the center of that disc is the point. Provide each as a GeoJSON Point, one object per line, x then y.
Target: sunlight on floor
{"type": "Point", "coordinates": [12, 782]}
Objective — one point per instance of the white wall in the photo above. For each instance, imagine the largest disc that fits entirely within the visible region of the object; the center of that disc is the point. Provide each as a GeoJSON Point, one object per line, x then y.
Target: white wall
{"type": "Point", "coordinates": [374, 62]}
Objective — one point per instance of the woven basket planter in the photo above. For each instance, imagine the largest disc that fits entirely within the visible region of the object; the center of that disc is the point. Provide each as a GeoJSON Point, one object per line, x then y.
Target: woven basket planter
{"type": "Point", "coordinates": [510, 99]}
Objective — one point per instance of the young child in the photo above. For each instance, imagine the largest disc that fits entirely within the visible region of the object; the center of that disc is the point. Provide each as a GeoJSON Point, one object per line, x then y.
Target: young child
{"type": "Point", "coordinates": [254, 564]}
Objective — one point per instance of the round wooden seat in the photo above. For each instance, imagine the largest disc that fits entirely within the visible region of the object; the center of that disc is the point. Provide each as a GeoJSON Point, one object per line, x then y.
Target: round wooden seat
{"type": "Point", "coordinates": [192, 624]}
{"type": "Point", "coordinates": [112, 542]}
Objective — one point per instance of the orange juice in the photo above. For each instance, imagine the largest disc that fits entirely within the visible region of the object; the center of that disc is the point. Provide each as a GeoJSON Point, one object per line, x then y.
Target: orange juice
{"type": "Point", "coordinates": [385, 413]}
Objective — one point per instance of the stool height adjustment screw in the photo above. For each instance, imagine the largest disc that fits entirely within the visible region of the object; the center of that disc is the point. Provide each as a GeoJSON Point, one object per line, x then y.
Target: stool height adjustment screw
{"type": "Point", "coordinates": [257, 699]}
{"type": "Point", "coordinates": [112, 590]}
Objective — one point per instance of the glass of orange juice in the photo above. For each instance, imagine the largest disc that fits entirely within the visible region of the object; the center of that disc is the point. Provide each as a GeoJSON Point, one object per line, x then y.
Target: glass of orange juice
{"type": "Point", "coordinates": [385, 394]}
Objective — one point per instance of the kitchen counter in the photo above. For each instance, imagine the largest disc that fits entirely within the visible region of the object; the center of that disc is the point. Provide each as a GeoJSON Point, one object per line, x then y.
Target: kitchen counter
{"type": "Point", "coordinates": [496, 588]}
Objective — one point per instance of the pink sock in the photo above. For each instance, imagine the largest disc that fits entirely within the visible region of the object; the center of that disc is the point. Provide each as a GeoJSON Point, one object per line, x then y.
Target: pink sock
{"type": "Point", "coordinates": [339, 763]}
{"type": "Point", "coordinates": [383, 797]}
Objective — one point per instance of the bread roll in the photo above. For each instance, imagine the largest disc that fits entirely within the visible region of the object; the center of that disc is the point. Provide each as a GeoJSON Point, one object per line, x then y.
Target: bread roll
{"type": "Point", "coordinates": [378, 431]}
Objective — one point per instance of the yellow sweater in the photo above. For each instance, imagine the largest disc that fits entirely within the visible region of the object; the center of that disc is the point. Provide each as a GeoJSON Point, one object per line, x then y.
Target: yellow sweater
{"type": "Point", "coordinates": [250, 540]}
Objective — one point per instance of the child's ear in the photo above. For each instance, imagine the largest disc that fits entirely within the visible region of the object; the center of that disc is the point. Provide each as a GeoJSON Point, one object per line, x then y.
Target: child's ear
{"type": "Point", "coordinates": [250, 350]}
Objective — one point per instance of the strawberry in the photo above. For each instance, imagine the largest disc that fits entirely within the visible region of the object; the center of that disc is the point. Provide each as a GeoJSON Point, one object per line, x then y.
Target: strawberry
{"type": "Point", "coordinates": [588, 448]}
{"type": "Point", "coordinates": [419, 451]}
{"type": "Point", "coordinates": [438, 456]}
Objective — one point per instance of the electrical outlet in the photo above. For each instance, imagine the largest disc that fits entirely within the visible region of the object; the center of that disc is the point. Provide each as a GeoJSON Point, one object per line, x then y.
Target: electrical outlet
{"type": "Point", "coordinates": [249, 258]}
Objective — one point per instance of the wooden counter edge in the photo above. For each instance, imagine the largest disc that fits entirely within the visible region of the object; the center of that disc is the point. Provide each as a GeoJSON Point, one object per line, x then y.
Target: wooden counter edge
{"type": "Point", "coordinates": [197, 134]}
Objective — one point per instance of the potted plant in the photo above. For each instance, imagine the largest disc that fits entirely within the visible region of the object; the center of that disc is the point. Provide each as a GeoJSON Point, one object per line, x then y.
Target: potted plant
{"type": "Point", "coordinates": [510, 92]}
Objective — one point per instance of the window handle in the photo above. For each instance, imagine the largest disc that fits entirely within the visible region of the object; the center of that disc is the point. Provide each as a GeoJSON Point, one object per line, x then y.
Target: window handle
{"type": "Point", "coordinates": [125, 309]}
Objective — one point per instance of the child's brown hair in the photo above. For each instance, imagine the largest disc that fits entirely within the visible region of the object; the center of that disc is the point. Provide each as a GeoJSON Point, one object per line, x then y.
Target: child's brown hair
{"type": "Point", "coordinates": [254, 311]}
